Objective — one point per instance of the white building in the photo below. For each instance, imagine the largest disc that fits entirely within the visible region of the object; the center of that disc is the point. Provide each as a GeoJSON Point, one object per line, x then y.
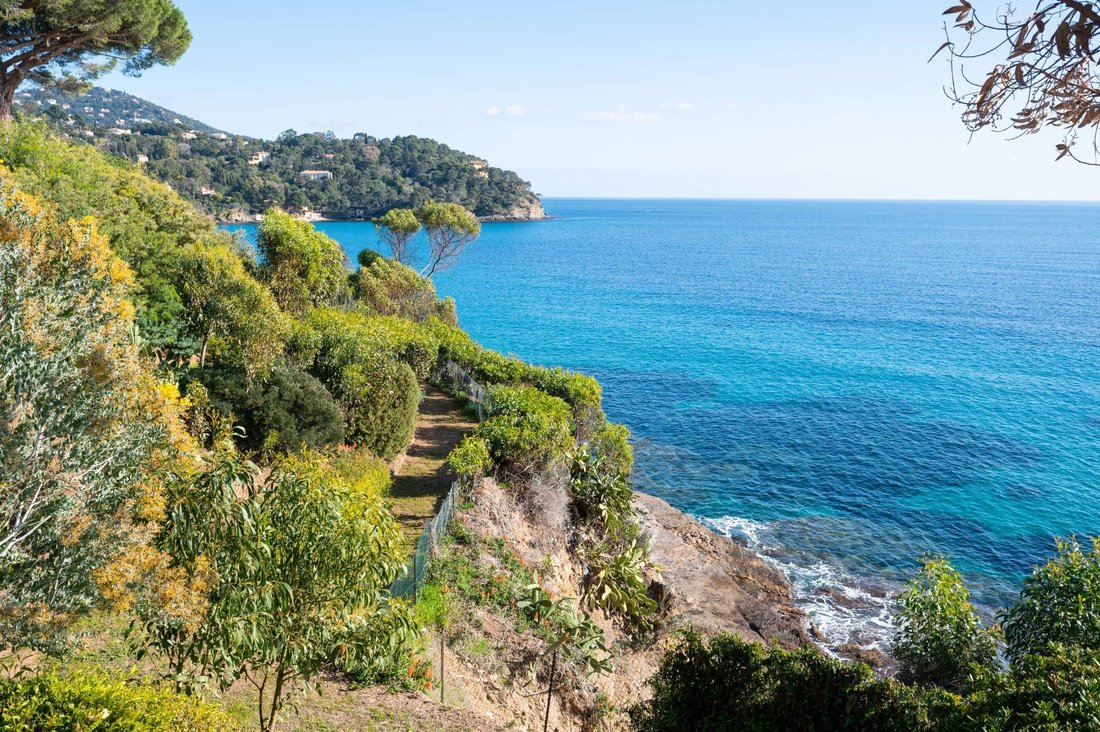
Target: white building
{"type": "Point", "coordinates": [259, 157]}
{"type": "Point", "coordinates": [316, 174]}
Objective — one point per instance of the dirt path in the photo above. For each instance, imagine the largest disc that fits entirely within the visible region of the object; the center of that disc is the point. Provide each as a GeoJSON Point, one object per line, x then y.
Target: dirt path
{"type": "Point", "coordinates": [423, 479]}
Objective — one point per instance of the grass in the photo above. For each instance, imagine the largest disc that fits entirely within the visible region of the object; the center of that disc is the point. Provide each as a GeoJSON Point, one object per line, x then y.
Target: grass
{"type": "Point", "coordinates": [423, 479]}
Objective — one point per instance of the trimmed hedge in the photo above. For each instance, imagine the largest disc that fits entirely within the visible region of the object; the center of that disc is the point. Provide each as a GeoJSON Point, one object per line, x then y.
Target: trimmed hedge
{"type": "Point", "coordinates": [526, 428]}
{"type": "Point", "coordinates": [582, 393]}
{"type": "Point", "coordinates": [94, 702]}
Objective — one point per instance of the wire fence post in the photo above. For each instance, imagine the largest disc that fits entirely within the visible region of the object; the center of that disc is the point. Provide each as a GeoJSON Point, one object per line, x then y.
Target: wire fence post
{"type": "Point", "coordinates": [442, 668]}
{"type": "Point", "coordinates": [550, 689]}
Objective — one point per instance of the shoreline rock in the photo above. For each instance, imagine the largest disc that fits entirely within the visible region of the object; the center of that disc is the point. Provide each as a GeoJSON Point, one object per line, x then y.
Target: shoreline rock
{"type": "Point", "coordinates": [529, 210]}
{"type": "Point", "coordinates": [719, 584]}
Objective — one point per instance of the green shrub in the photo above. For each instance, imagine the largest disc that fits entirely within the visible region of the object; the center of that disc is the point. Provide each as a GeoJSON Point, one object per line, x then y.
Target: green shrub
{"type": "Point", "coordinates": [289, 410]}
{"type": "Point", "coordinates": [370, 365]}
{"type": "Point", "coordinates": [470, 458]}
{"type": "Point", "coordinates": [332, 338]}
{"type": "Point", "coordinates": [582, 393]}
{"type": "Point", "coordinates": [601, 491]}
{"type": "Point", "coordinates": [526, 428]}
{"type": "Point", "coordinates": [616, 581]}
{"type": "Point", "coordinates": [939, 632]}
{"type": "Point", "coordinates": [95, 702]}
{"type": "Point", "coordinates": [730, 684]}
{"type": "Point", "coordinates": [1053, 692]}
{"type": "Point", "coordinates": [302, 266]}
{"type": "Point", "coordinates": [361, 471]}
{"type": "Point", "coordinates": [380, 406]}
{"type": "Point", "coordinates": [1059, 603]}
{"type": "Point", "coordinates": [431, 609]}
{"type": "Point", "coordinates": [388, 287]}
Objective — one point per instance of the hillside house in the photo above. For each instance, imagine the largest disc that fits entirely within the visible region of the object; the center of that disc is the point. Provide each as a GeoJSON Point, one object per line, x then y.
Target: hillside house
{"type": "Point", "coordinates": [118, 131]}
{"type": "Point", "coordinates": [205, 191]}
{"type": "Point", "coordinates": [190, 135]}
{"type": "Point", "coordinates": [259, 157]}
{"type": "Point", "coordinates": [316, 174]}
{"type": "Point", "coordinates": [142, 158]}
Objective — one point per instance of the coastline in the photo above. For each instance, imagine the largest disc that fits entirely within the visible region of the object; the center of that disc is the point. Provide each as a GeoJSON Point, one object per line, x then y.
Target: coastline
{"type": "Point", "coordinates": [710, 570]}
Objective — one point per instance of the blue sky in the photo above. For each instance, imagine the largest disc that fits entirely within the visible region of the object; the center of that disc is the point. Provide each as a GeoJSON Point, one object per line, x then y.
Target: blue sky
{"type": "Point", "coordinates": [608, 98]}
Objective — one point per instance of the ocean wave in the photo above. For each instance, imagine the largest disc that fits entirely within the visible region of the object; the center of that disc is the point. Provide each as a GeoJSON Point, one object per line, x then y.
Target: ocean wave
{"type": "Point", "coordinates": [843, 609]}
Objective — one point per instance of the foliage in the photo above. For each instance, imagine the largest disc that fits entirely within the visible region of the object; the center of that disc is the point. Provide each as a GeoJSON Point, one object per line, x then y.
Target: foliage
{"type": "Point", "coordinates": [397, 227]}
{"type": "Point", "coordinates": [449, 227]}
{"type": "Point", "coordinates": [1059, 603]}
{"type": "Point", "coordinates": [1046, 76]}
{"type": "Point", "coordinates": [302, 266]}
{"type": "Point", "coordinates": [470, 458]}
{"type": "Point", "coordinates": [361, 470]}
{"type": "Point", "coordinates": [388, 287]}
{"type": "Point", "coordinates": [370, 175]}
{"type": "Point", "coordinates": [380, 406]}
{"type": "Point", "coordinates": [581, 392]}
{"type": "Point", "coordinates": [616, 580]}
{"type": "Point", "coordinates": [364, 361]}
{"type": "Point", "coordinates": [286, 411]}
{"type": "Point", "coordinates": [145, 222]}
{"type": "Point", "coordinates": [601, 491]}
{"type": "Point", "coordinates": [95, 702]}
{"type": "Point", "coordinates": [59, 42]}
{"type": "Point", "coordinates": [940, 636]}
{"type": "Point", "coordinates": [1057, 691]}
{"type": "Point", "coordinates": [575, 635]}
{"type": "Point", "coordinates": [725, 683]}
{"type": "Point", "coordinates": [86, 435]}
{"type": "Point", "coordinates": [432, 607]}
{"type": "Point", "coordinates": [303, 559]}
{"type": "Point", "coordinates": [223, 301]}
{"type": "Point", "coordinates": [526, 428]}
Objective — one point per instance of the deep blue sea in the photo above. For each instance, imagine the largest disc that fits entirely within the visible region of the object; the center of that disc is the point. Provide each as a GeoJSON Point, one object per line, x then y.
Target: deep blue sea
{"type": "Point", "coordinates": [845, 385]}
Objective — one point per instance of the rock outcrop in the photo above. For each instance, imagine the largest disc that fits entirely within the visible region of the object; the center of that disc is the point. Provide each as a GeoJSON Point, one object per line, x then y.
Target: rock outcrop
{"type": "Point", "coordinates": [717, 584]}
{"type": "Point", "coordinates": [709, 581]}
{"type": "Point", "coordinates": [529, 209]}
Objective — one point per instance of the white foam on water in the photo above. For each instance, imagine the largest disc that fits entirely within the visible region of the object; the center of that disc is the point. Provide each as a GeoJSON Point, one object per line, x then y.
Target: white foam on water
{"type": "Point", "coordinates": [843, 608]}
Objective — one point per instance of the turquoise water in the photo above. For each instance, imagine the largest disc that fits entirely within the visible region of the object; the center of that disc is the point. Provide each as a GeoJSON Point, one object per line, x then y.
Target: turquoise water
{"type": "Point", "coordinates": [847, 385]}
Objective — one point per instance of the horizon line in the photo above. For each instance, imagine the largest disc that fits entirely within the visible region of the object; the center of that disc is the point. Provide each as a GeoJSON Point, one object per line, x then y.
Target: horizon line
{"type": "Point", "coordinates": [811, 199]}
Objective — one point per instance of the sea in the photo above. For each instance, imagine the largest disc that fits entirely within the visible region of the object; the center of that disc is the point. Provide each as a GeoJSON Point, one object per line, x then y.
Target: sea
{"type": "Point", "coordinates": [846, 386]}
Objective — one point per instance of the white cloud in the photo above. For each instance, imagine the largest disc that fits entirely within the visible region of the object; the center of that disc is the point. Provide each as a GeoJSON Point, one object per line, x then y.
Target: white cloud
{"type": "Point", "coordinates": [677, 106]}
{"type": "Point", "coordinates": [511, 110]}
{"type": "Point", "coordinates": [623, 117]}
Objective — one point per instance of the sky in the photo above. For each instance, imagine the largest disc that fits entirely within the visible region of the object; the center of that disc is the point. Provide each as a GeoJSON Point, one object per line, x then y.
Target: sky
{"type": "Point", "coordinates": [602, 98]}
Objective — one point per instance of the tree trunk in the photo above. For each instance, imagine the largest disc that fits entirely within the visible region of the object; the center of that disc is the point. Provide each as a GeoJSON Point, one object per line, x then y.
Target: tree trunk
{"type": "Point", "coordinates": [7, 95]}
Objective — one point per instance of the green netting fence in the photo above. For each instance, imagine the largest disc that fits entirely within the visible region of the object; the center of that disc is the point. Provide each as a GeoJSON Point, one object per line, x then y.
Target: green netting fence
{"type": "Point", "coordinates": [455, 379]}
{"type": "Point", "coordinates": [409, 582]}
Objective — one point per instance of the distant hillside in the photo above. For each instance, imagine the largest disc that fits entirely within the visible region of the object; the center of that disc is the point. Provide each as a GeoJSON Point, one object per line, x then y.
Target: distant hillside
{"type": "Point", "coordinates": [314, 174]}
{"type": "Point", "coordinates": [103, 108]}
